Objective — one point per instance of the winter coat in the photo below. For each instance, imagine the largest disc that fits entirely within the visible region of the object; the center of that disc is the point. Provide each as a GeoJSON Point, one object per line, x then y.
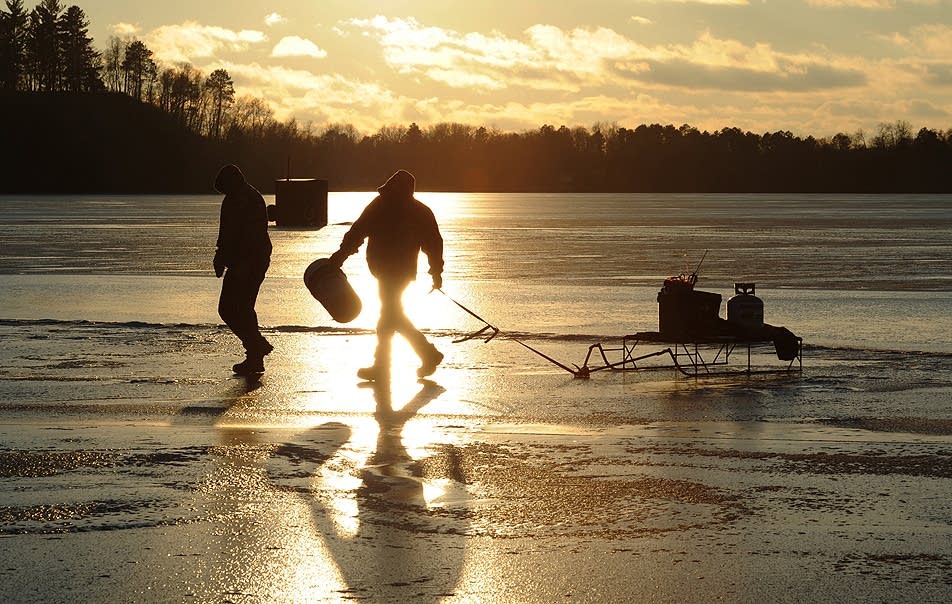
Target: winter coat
{"type": "Point", "coordinates": [243, 228]}
{"type": "Point", "coordinates": [397, 228]}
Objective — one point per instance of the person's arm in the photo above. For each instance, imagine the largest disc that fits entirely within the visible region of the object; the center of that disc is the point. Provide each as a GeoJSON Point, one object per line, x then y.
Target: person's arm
{"type": "Point", "coordinates": [226, 244]}
{"type": "Point", "coordinates": [354, 237]}
{"type": "Point", "coordinates": [433, 248]}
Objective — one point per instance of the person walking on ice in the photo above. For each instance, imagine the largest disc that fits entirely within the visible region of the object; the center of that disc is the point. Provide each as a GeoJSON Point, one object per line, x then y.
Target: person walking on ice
{"type": "Point", "coordinates": [243, 254]}
{"type": "Point", "coordinates": [397, 228]}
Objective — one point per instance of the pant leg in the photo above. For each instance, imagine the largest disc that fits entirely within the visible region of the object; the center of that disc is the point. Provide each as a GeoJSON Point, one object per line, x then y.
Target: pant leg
{"type": "Point", "coordinates": [394, 320]}
{"type": "Point", "coordinates": [390, 309]}
{"type": "Point", "coordinates": [236, 305]}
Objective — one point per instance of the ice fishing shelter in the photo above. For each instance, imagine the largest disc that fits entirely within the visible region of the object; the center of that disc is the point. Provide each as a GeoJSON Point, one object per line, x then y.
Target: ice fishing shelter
{"type": "Point", "coordinates": [300, 202]}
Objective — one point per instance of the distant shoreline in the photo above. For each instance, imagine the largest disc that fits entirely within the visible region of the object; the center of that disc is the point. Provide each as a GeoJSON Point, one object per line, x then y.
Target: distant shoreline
{"type": "Point", "coordinates": [110, 143]}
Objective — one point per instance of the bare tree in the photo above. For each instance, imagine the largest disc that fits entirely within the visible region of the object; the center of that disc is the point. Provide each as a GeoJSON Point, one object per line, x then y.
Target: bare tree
{"type": "Point", "coordinates": [112, 64]}
{"type": "Point", "coordinates": [251, 116]}
{"type": "Point", "coordinates": [181, 94]}
{"type": "Point", "coordinates": [894, 135]}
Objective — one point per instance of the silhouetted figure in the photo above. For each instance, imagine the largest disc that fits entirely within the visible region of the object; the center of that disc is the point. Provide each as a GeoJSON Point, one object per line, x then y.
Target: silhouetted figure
{"type": "Point", "coordinates": [243, 254]}
{"type": "Point", "coordinates": [397, 228]}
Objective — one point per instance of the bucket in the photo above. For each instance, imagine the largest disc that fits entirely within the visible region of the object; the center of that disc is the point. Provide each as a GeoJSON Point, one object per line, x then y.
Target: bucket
{"type": "Point", "coordinates": [329, 286]}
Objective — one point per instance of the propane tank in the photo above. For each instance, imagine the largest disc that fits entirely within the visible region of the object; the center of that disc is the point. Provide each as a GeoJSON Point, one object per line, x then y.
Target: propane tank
{"type": "Point", "coordinates": [328, 284]}
{"type": "Point", "coordinates": [744, 309]}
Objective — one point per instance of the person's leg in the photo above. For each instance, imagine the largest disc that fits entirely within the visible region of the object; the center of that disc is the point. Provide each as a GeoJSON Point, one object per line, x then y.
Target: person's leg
{"type": "Point", "coordinates": [389, 301]}
{"type": "Point", "coordinates": [257, 343]}
{"type": "Point", "coordinates": [429, 356]}
{"type": "Point", "coordinates": [389, 309]}
{"type": "Point", "coordinates": [236, 306]}
{"type": "Point", "coordinates": [229, 302]}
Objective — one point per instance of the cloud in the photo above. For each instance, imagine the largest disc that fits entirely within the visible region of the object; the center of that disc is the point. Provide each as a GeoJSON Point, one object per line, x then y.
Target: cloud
{"type": "Point", "coordinates": [939, 74]}
{"type": "Point", "coordinates": [585, 59]}
{"type": "Point", "coordinates": [445, 55]}
{"type": "Point", "coordinates": [867, 4]}
{"type": "Point", "coordinates": [274, 19]}
{"type": "Point", "coordinates": [548, 58]}
{"type": "Point", "coordinates": [293, 46]}
{"type": "Point", "coordinates": [401, 70]}
{"type": "Point", "coordinates": [788, 77]}
{"type": "Point", "coordinates": [641, 20]}
{"type": "Point", "coordinates": [124, 30]}
{"type": "Point", "coordinates": [932, 41]}
{"type": "Point", "coordinates": [325, 98]}
{"type": "Point", "coordinates": [925, 109]}
{"type": "Point", "coordinates": [464, 79]}
{"type": "Point", "coordinates": [729, 65]}
{"type": "Point", "coordinates": [190, 40]}
{"type": "Point", "coordinates": [712, 2]}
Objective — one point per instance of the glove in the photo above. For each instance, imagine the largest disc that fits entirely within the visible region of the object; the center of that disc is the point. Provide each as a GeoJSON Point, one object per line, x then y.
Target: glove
{"type": "Point", "coordinates": [437, 281]}
{"type": "Point", "coordinates": [337, 258]}
{"type": "Point", "coordinates": [219, 265]}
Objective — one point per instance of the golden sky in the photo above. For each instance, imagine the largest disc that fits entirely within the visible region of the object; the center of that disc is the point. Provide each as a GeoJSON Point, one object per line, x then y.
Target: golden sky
{"type": "Point", "coordinates": [809, 66]}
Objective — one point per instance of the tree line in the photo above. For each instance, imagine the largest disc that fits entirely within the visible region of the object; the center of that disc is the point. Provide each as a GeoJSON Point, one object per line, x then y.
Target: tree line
{"type": "Point", "coordinates": [48, 50]}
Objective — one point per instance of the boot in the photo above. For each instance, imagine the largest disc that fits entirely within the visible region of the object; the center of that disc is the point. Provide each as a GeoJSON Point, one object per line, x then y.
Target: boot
{"type": "Point", "coordinates": [250, 366]}
{"type": "Point", "coordinates": [254, 360]}
{"type": "Point", "coordinates": [430, 359]}
{"type": "Point", "coordinates": [263, 350]}
{"type": "Point", "coordinates": [374, 373]}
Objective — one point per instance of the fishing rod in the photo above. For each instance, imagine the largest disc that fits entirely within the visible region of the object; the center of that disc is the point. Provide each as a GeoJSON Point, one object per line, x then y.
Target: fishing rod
{"type": "Point", "coordinates": [693, 277]}
{"type": "Point", "coordinates": [577, 372]}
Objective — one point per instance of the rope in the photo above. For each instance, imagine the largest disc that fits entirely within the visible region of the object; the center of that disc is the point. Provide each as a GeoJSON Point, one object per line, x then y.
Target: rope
{"type": "Point", "coordinates": [575, 372]}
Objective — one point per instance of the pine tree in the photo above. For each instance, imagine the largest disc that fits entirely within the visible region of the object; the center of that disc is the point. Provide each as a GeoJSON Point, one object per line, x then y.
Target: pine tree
{"type": "Point", "coordinates": [138, 68]}
{"type": "Point", "coordinates": [44, 59]}
{"type": "Point", "coordinates": [13, 36]}
{"type": "Point", "coordinates": [222, 89]}
{"type": "Point", "coordinates": [81, 62]}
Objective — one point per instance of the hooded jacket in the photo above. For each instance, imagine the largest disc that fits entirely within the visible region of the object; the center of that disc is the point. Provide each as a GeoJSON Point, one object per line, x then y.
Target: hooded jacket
{"type": "Point", "coordinates": [397, 227]}
{"type": "Point", "coordinates": [243, 228]}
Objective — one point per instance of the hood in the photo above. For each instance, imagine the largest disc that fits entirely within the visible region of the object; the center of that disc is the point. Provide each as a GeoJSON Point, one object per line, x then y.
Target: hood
{"type": "Point", "coordinates": [401, 184]}
{"type": "Point", "coordinates": [229, 179]}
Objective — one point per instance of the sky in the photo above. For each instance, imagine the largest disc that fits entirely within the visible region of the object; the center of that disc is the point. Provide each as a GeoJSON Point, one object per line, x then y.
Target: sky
{"type": "Point", "coordinates": [813, 67]}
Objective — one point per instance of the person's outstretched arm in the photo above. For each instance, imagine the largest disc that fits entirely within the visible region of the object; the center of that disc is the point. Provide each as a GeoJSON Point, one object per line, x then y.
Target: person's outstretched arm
{"type": "Point", "coordinates": [354, 237]}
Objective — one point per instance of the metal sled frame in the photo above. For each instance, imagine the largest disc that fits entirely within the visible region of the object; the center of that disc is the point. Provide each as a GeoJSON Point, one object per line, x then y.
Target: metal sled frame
{"type": "Point", "coordinates": [693, 357]}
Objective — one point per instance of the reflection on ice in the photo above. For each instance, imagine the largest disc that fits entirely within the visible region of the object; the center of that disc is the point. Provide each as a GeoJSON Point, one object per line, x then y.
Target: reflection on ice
{"type": "Point", "coordinates": [344, 473]}
{"type": "Point", "coordinates": [369, 498]}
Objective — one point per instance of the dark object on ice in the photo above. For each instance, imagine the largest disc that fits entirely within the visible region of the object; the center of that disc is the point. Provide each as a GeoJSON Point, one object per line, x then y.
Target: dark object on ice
{"type": "Point", "coordinates": [299, 202]}
{"type": "Point", "coordinates": [698, 340]}
{"type": "Point", "coordinates": [683, 310]}
{"type": "Point", "coordinates": [687, 315]}
{"type": "Point", "coordinates": [786, 343]}
{"type": "Point", "coordinates": [744, 309]}
{"type": "Point", "coordinates": [329, 286]}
